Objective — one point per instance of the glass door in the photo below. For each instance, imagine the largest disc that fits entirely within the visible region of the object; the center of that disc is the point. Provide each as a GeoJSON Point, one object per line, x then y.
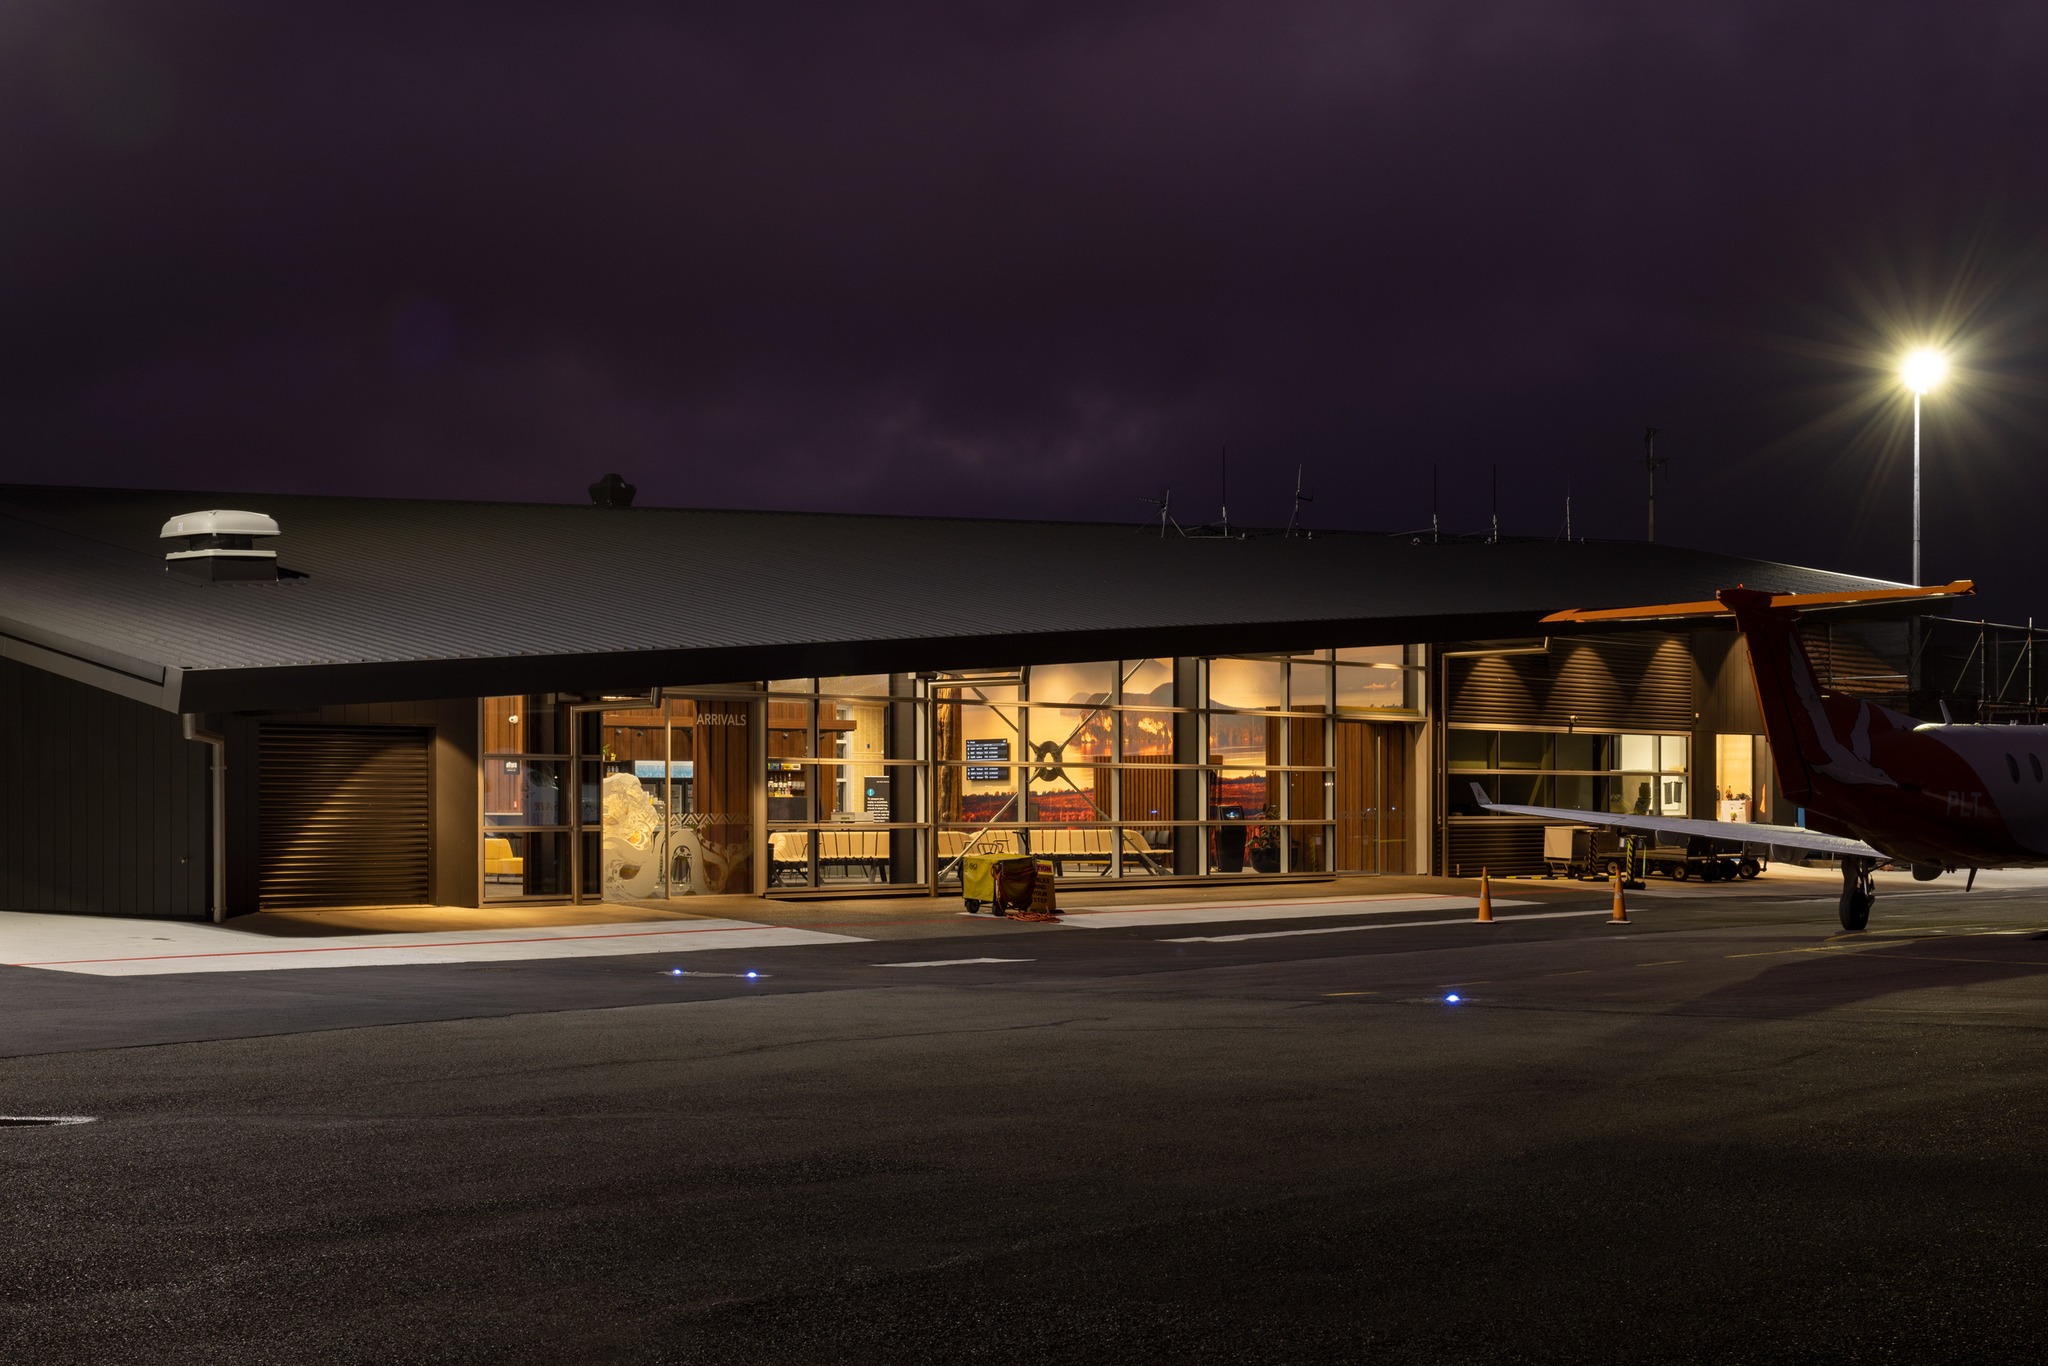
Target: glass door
{"type": "Point", "coordinates": [711, 826]}
{"type": "Point", "coordinates": [668, 805]}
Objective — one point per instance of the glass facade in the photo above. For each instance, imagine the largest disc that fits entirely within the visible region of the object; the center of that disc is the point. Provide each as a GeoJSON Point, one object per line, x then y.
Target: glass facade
{"type": "Point", "coordinates": [526, 825]}
{"type": "Point", "coordinates": [845, 782]}
{"type": "Point", "coordinates": [1619, 774]}
{"type": "Point", "coordinates": [1112, 769]}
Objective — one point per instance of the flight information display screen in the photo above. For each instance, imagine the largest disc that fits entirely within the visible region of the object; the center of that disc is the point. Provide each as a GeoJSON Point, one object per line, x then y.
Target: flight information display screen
{"type": "Point", "coordinates": [987, 753]}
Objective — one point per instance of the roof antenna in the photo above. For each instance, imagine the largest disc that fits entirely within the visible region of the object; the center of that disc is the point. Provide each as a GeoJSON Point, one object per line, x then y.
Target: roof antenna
{"type": "Point", "coordinates": [1495, 538]}
{"type": "Point", "coordinates": [1651, 462]}
{"type": "Point", "coordinates": [1432, 504]}
{"type": "Point", "coordinates": [1567, 508]}
{"type": "Point", "coordinates": [1223, 493]}
{"type": "Point", "coordinates": [1299, 499]}
{"type": "Point", "coordinates": [1164, 502]}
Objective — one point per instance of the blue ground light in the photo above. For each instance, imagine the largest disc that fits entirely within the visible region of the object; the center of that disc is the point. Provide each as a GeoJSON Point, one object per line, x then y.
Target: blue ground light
{"type": "Point", "coordinates": [1453, 999]}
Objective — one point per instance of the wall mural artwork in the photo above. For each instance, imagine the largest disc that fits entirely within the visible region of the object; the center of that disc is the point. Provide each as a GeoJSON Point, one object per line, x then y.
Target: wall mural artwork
{"type": "Point", "coordinates": [632, 840]}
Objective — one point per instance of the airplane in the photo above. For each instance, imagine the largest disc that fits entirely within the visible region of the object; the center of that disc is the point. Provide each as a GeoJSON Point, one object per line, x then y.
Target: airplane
{"type": "Point", "coordinates": [1879, 786]}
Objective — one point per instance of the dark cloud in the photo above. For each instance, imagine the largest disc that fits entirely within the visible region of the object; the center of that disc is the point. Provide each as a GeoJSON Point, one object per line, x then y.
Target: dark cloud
{"type": "Point", "coordinates": [1043, 259]}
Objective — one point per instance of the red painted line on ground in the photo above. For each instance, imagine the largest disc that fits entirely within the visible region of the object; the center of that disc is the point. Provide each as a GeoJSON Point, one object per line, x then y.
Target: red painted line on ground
{"type": "Point", "coordinates": [362, 948]}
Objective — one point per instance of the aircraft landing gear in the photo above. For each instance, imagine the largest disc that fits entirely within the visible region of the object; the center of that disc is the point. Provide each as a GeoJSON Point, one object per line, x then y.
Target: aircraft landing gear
{"type": "Point", "coordinates": [1859, 889]}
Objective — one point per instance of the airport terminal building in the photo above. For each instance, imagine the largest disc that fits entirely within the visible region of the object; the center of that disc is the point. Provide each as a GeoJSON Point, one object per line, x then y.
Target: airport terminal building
{"type": "Point", "coordinates": [213, 704]}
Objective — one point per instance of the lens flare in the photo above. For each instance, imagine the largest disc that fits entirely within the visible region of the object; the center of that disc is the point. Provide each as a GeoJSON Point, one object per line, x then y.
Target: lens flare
{"type": "Point", "coordinates": [1923, 369]}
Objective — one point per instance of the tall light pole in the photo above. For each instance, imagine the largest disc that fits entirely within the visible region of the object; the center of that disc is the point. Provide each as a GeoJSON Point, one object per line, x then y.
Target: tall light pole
{"type": "Point", "coordinates": [1922, 370]}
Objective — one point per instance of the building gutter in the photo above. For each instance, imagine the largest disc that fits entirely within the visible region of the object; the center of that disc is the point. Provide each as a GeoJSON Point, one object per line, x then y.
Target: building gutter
{"type": "Point", "coordinates": [217, 818]}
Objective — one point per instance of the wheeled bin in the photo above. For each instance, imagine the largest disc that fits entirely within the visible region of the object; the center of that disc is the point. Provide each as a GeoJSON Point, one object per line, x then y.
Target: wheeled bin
{"type": "Point", "coordinates": [999, 881]}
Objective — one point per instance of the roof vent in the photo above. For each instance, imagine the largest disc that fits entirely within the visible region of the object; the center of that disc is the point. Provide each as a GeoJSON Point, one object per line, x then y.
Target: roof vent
{"type": "Point", "coordinates": [221, 546]}
{"type": "Point", "coordinates": [612, 491]}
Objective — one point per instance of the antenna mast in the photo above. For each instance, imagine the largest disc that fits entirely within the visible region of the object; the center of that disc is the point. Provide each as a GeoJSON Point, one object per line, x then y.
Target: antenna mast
{"type": "Point", "coordinates": [1164, 502]}
{"type": "Point", "coordinates": [1299, 499]}
{"type": "Point", "coordinates": [1650, 463]}
{"type": "Point", "coordinates": [1432, 504]}
{"type": "Point", "coordinates": [1223, 492]}
{"type": "Point", "coordinates": [1495, 538]}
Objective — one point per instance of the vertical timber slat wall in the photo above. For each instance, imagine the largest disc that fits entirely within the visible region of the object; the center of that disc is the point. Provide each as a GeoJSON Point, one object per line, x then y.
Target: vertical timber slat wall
{"type": "Point", "coordinates": [103, 804]}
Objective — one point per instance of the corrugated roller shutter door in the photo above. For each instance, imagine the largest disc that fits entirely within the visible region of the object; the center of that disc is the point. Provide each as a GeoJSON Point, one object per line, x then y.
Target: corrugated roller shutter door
{"type": "Point", "coordinates": [345, 816]}
{"type": "Point", "coordinates": [1636, 682]}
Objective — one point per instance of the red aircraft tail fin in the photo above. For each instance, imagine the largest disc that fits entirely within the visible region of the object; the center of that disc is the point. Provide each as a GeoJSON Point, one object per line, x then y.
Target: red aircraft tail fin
{"type": "Point", "coordinates": [1786, 689]}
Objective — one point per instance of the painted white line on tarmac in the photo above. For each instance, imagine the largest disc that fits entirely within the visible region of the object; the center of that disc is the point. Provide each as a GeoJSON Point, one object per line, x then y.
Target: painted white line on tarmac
{"type": "Point", "coordinates": [953, 962]}
{"type": "Point", "coordinates": [205, 952]}
{"type": "Point", "coordinates": [1399, 925]}
{"type": "Point", "coordinates": [1196, 913]}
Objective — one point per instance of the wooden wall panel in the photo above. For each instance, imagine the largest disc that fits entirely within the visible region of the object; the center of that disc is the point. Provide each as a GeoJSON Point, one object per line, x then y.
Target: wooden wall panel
{"type": "Point", "coordinates": [103, 805]}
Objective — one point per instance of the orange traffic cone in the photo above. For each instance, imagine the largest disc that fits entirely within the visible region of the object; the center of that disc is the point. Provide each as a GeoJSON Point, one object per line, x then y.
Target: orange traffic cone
{"type": "Point", "coordinates": [1485, 896]}
{"type": "Point", "coordinates": [1620, 916]}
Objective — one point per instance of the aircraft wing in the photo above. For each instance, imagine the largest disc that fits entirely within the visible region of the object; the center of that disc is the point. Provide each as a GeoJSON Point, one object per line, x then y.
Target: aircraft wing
{"type": "Point", "coordinates": [1733, 832]}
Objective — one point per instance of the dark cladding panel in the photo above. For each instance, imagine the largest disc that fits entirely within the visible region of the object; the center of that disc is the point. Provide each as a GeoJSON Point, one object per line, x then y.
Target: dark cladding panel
{"type": "Point", "coordinates": [1501, 847]}
{"type": "Point", "coordinates": [346, 816]}
{"type": "Point", "coordinates": [1635, 682]}
{"type": "Point", "coordinates": [103, 805]}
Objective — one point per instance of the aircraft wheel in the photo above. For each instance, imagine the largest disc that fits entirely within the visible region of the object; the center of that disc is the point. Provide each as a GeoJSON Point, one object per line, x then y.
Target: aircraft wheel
{"type": "Point", "coordinates": [1748, 868]}
{"type": "Point", "coordinates": [1710, 871]}
{"type": "Point", "coordinates": [1858, 891]}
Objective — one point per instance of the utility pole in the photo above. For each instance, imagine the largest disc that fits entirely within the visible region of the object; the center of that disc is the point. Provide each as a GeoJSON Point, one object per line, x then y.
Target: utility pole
{"type": "Point", "coordinates": [1651, 462]}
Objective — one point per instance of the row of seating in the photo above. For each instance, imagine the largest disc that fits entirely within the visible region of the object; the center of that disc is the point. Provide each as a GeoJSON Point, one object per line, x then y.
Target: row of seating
{"type": "Point", "coordinates": [839, 851]}
{"type": "Point", "coordinates": [500, 863]}
{"type": "Point", "coordinates": [867, 851]}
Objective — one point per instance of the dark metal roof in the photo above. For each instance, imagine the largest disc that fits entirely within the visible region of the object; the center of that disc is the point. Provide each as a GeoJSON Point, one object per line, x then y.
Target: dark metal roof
{"type": "Point", "coordinates": [412, 599]}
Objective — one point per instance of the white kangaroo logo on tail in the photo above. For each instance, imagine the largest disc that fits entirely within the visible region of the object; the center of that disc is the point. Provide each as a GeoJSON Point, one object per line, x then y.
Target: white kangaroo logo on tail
{"type": "Point", "coordinates": [1843, 765]}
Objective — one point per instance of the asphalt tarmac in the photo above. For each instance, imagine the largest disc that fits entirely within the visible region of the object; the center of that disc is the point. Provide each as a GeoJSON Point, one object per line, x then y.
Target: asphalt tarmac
{"type": "Point", "coordinates": [1721, 1133]}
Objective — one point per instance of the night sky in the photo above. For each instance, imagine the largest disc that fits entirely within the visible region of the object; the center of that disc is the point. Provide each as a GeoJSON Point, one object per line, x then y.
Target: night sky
{"type": "Point", "coordinates": [1042, 260]}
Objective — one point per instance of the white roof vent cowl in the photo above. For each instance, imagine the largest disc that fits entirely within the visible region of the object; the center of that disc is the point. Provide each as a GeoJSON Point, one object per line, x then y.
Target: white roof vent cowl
{"type": "Point", "coordinates": [220, 545]}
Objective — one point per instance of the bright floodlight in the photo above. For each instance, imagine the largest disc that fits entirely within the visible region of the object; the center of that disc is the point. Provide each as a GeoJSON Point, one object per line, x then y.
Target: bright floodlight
{"type": "Point", "coordinates": [1923, 369]}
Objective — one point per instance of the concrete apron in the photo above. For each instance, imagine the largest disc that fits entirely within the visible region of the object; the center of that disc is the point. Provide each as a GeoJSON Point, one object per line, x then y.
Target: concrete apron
{"type": "Point", "coordinates": [397, 935]}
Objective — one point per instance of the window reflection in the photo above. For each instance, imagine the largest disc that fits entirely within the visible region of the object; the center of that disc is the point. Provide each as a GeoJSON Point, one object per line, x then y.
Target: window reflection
{"type": "Point", "coordinates": [1148, 682]}
{"type": "Point", "coordinates": [1244, 683]}
{"type": "Point", "coordinates": [1308, 687]}
{"type": "Point", "coordinates": [1371, 689]}
{"type": "Point", "coordinates": [1082, 683]}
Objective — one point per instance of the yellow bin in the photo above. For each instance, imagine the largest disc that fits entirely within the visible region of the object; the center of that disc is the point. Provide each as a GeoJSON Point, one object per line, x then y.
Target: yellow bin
{"type": "Point", "coordinates": [996, 881]}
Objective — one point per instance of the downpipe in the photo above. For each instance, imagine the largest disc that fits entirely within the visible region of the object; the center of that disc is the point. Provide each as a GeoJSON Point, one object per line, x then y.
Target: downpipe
{"type": "Point", "coordinates": [217, 818]}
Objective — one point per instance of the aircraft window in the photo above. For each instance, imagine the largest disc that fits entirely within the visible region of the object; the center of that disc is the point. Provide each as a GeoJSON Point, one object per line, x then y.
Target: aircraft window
{"type": "Point", "coordinates": [2035, 760]}
{"type": "Point", "coordinates": [2012, 766]}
